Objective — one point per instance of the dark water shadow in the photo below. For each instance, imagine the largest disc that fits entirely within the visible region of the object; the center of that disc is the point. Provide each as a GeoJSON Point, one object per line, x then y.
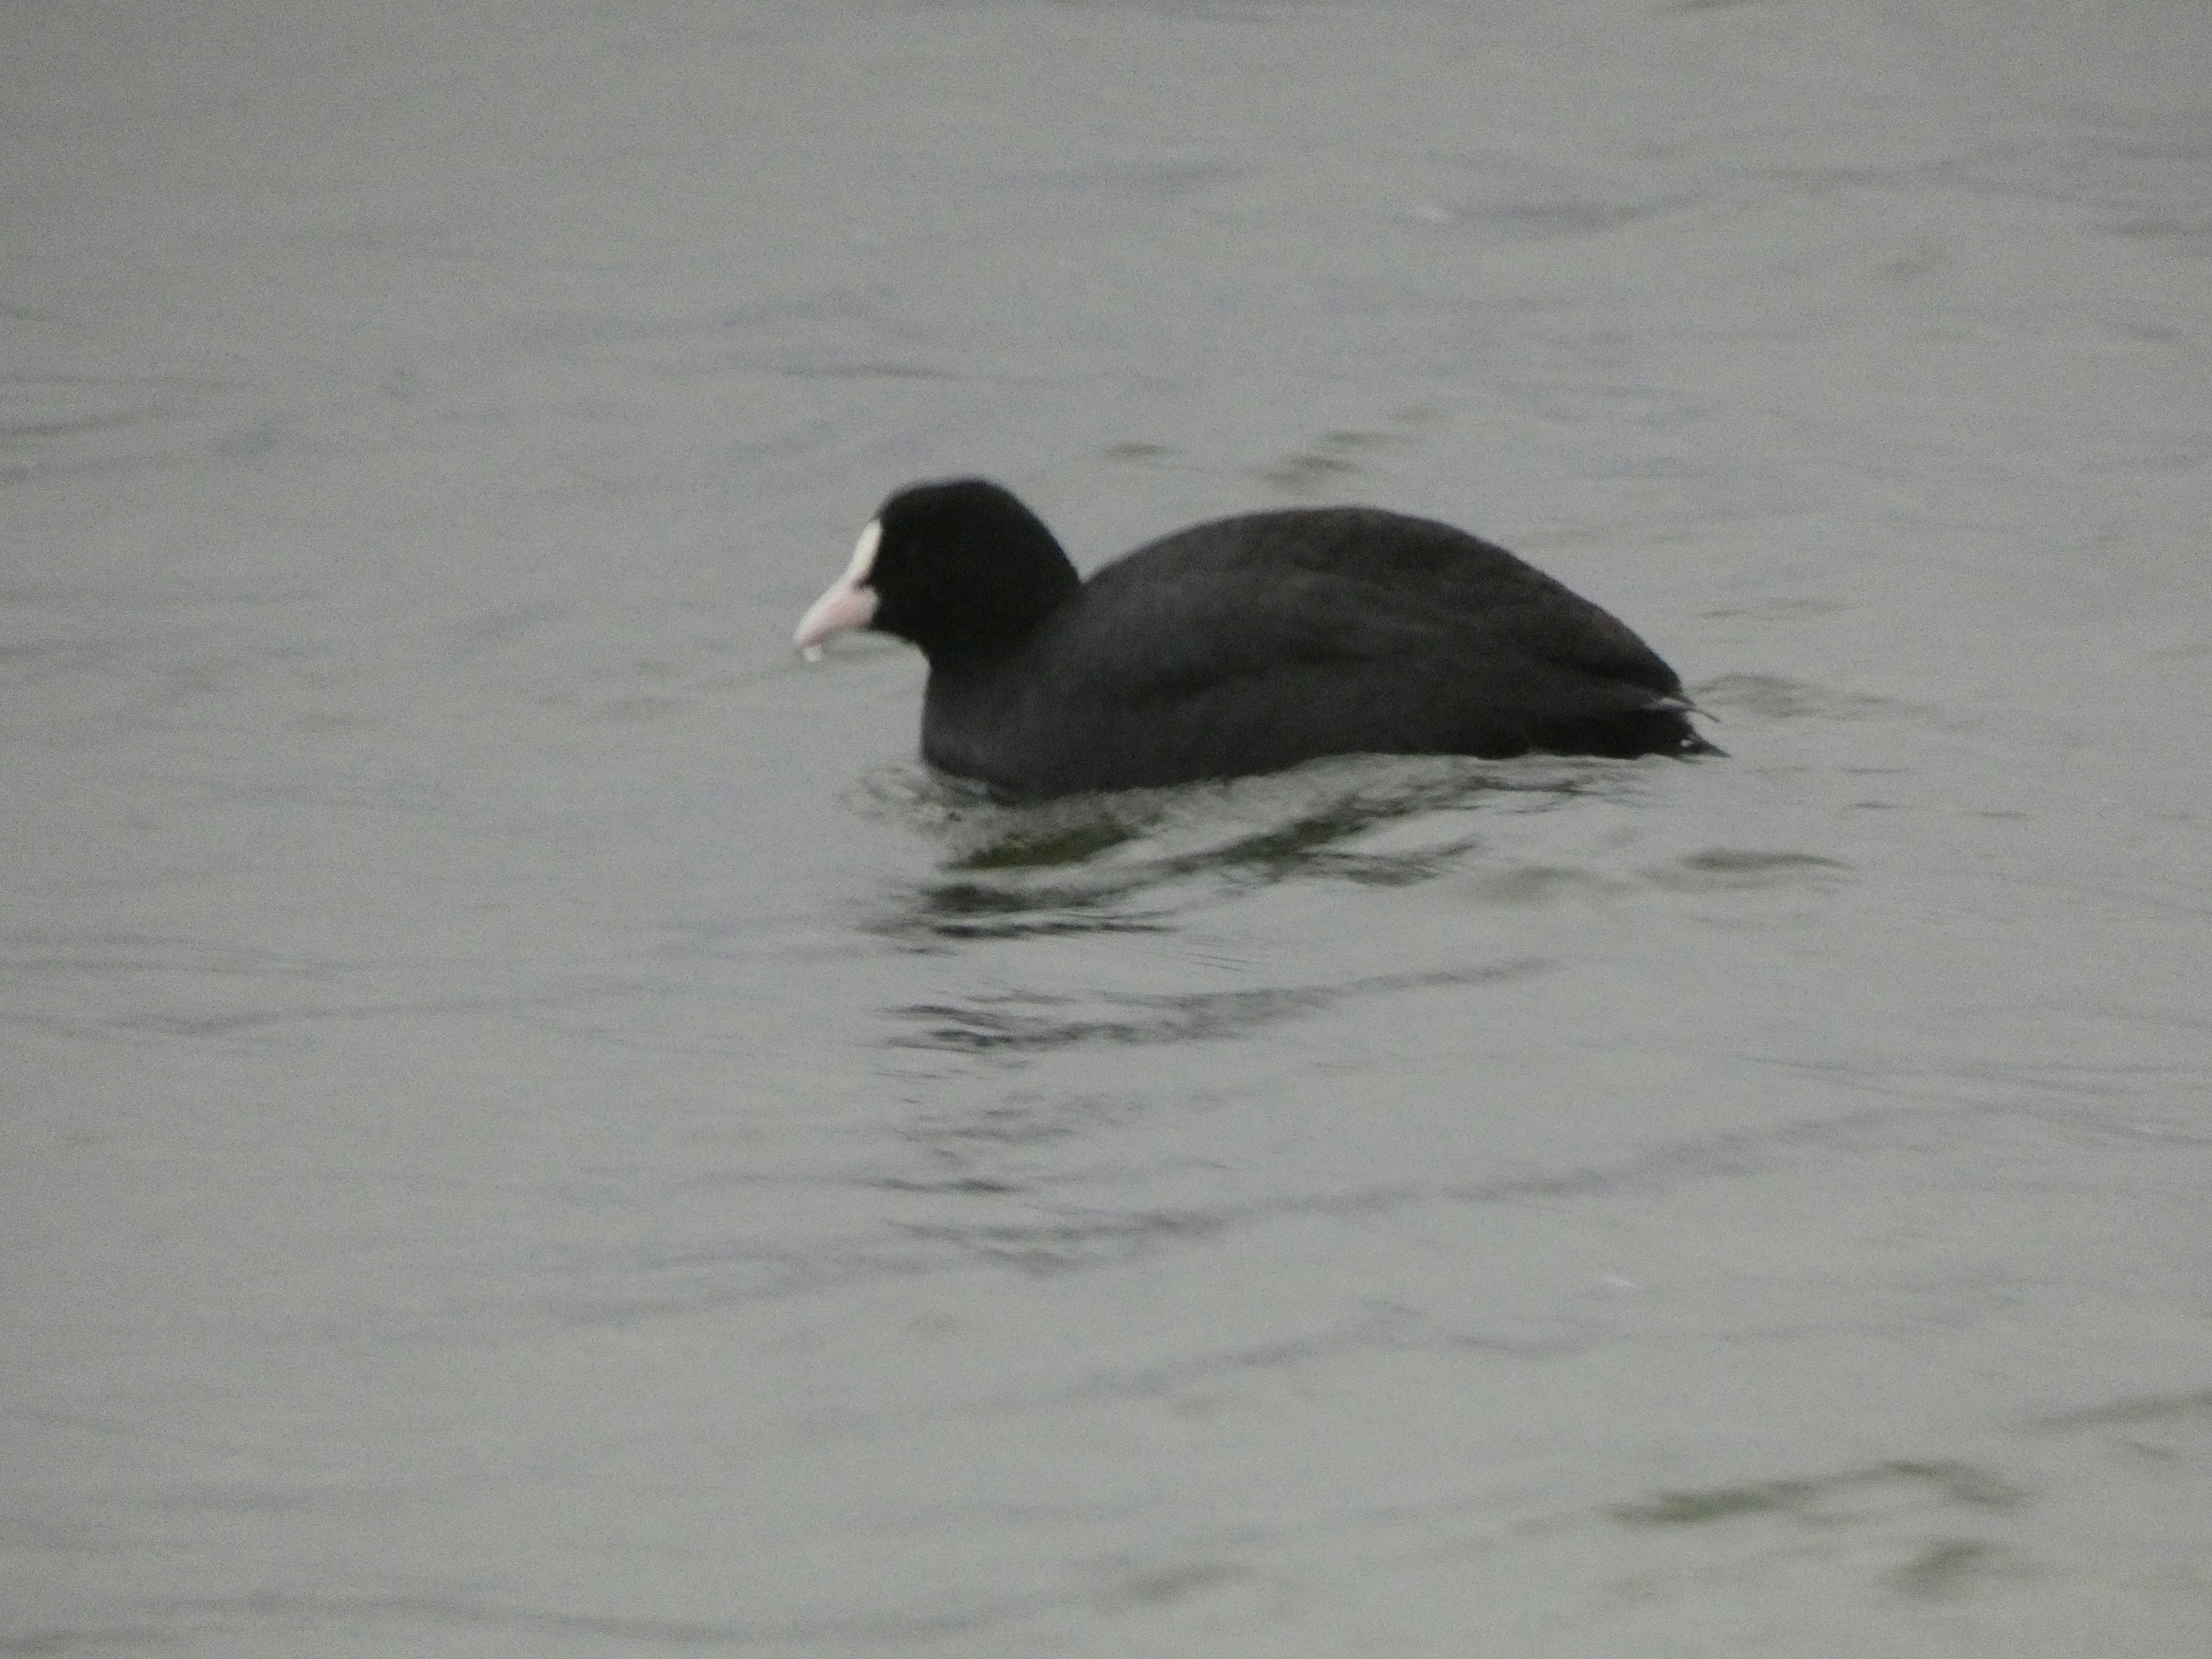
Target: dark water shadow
{"type": "Point", "coordinates": [1813, 1498]}
{"type": "Point", "coordinates": [1131, 861]}
{"type": "Point", "coordinates": [1884, 1497]}
{"type": "Point", "coordinates": [56, 426]}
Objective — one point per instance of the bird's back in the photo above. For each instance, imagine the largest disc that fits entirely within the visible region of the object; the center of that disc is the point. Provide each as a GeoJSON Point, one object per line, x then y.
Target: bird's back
{"type": "Point", "coordinates": [1252, 644]}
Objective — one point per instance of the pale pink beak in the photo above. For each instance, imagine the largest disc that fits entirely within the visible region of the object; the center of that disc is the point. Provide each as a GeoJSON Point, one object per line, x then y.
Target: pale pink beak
{"type": "Point", "coordinates": [849, 603]}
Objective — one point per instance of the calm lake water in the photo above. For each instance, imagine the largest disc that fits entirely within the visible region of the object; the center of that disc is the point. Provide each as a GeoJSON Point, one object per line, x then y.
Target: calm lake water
{"type": "Point", "coordinates": [536, 1127]}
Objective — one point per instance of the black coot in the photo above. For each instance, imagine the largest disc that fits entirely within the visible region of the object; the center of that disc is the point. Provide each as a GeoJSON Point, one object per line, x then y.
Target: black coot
{"type": "Point", "coordinates": [1243, 645]}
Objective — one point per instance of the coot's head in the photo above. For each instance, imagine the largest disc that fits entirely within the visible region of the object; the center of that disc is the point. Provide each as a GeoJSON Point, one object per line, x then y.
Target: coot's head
{"type": "Point", "coordinates": [960, 568]}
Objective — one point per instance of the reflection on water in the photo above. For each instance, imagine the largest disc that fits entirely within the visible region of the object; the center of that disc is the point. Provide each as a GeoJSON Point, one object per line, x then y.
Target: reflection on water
{"type": "Point", "coordinates": [1776, 696]}
{"type": "Point", "coordinates": [1129, 861]}
{"type": "Point", "coordinates": [1134, 862]}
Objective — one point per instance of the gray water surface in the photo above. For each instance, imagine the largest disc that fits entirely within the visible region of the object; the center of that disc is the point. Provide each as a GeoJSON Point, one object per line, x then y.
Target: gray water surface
{"type": "Point", "coordinates": [537, 1127]}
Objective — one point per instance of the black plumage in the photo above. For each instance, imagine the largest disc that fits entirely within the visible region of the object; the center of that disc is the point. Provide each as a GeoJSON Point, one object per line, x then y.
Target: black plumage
{"type": "Point", "coordinates": [1239, 646]}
